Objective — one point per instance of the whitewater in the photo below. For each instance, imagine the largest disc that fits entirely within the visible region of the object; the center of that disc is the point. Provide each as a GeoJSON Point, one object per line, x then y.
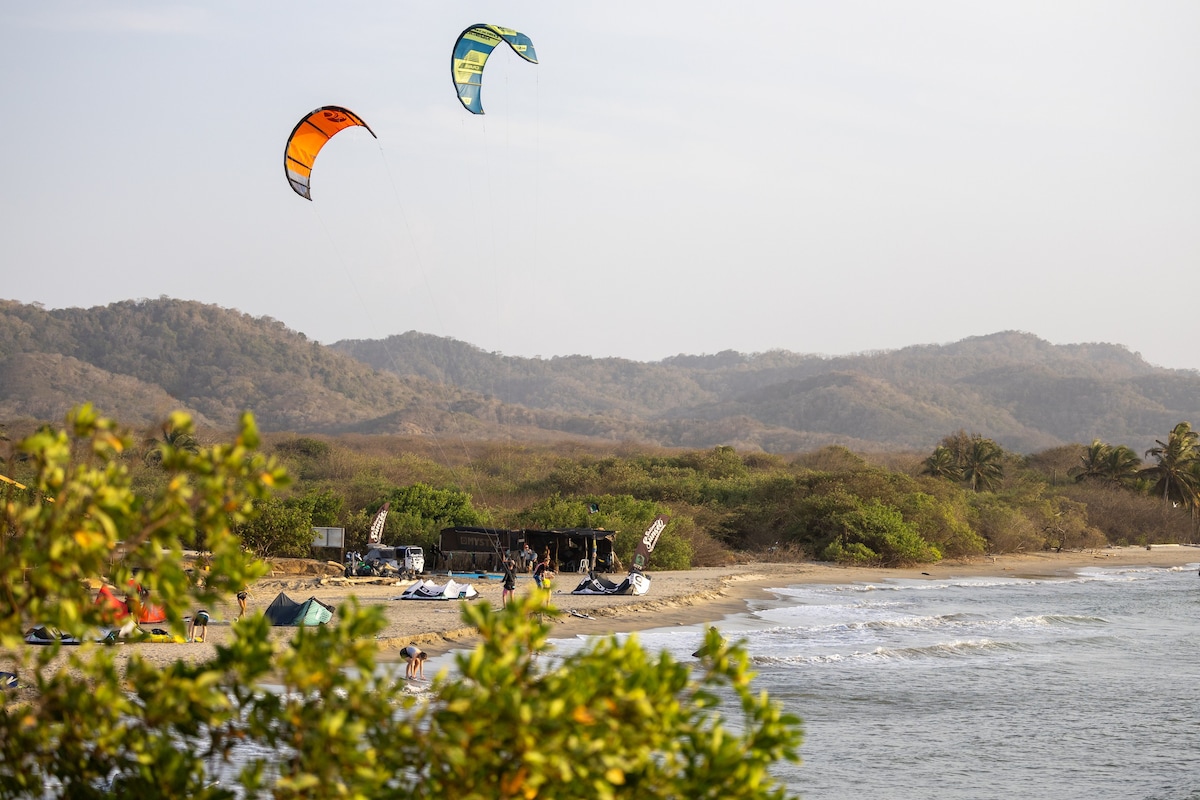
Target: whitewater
{"type": "Point", "coordinates": [1080, 686]}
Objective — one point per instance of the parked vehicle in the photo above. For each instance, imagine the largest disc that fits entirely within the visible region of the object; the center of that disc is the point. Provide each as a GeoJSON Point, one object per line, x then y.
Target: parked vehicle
{"type": "Point", "coordinates": [407, 560]}
{"type": "Point", "coordinates": [414, 559]}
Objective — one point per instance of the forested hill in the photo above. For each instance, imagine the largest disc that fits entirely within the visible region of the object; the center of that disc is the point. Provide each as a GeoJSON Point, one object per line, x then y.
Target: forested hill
{"type": "Point", "coordinates": [1014, 387]}
{"type": "Point", "coordinates": [138, 360]}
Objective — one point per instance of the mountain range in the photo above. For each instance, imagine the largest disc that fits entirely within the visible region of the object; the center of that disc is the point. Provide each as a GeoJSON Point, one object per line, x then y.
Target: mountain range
{"type": "Point", "coordinates": [138, 360]}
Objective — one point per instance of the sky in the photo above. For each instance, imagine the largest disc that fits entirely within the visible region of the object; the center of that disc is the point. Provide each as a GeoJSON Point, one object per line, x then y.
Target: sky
{"type": "Point", "coordinates": [819, 177]}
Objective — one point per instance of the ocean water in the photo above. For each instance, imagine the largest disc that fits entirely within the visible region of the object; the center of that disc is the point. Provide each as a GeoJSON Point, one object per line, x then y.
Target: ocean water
{"type": "Point", "coordinates": [1082, 686]}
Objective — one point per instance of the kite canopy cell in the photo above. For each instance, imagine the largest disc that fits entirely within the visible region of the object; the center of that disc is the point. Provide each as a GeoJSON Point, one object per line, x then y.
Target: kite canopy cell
{"type": "Point", "coordinates": [471, 51]}
{"type": "Point", "coordinates": [308, 137]}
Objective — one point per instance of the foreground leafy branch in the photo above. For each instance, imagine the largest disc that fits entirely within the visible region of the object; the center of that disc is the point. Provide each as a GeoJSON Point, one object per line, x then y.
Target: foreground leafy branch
{"type": "Point", "coordinates": [511, 719]}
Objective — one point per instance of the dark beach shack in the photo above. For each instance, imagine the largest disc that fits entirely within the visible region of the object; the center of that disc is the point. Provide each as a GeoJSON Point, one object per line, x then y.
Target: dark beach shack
{"type": "Point", "coordinates": [571, 549]}
{"type": "Point", "coordinates": [575, 549]}
{"type": "Point", "coordinates": [471, 549]}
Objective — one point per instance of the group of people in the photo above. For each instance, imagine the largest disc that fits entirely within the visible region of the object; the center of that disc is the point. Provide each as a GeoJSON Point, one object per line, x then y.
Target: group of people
{"type": "Point", "coordinates": [539, 566]}
{"type": "Point", "coordinates": [414, 657]}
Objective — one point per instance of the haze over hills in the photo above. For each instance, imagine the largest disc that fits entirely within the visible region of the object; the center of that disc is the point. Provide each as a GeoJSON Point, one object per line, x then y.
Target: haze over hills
{"type": "Point", "coordinates": [138, 360]}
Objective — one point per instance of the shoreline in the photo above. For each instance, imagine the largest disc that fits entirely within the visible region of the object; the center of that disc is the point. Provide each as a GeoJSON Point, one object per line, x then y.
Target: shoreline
{"type": "Point", "coordinates": [743, 583]}
{"type": "Point", "coordinates": [709, 594]}
{"type": "Point", "coordinates": [676, 598]}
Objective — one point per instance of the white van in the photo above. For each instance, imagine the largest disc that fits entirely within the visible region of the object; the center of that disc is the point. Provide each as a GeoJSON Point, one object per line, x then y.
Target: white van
{"type": "Point", "coordinates": [413, 559]}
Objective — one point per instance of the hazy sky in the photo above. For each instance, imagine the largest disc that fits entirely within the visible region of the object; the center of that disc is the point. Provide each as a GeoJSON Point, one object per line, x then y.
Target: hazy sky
{"type": "Point", "coordinates": [822, 177]}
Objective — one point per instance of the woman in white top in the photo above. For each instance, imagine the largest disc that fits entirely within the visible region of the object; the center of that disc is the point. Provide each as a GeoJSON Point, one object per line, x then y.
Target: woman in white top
{"type": "Point", "coordinates": [415, 658]}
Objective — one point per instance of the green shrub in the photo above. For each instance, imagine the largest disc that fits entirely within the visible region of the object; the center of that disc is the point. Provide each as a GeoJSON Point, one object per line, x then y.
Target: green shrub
{"type": "Point", "coordinates": [852, 553]}
{"type": "Point", "coordinates": [883, 531]}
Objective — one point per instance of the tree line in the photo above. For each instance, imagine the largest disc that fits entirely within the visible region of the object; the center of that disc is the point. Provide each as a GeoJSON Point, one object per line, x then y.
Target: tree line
{"type": "Point", "coordinates": [967, 497]}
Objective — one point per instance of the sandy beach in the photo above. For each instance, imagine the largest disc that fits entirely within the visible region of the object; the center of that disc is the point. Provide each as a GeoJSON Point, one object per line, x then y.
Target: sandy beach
{"type": "Point", "coordinates": [691, 597]}
{"type": "Point", "coordinates": [675, 598]}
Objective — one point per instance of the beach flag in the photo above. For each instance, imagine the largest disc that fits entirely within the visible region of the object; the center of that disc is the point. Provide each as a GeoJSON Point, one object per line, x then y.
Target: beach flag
{"type": "Point", "coordinates": [376, 535]}
{"type": "Point", "coordinates": [649, 539]}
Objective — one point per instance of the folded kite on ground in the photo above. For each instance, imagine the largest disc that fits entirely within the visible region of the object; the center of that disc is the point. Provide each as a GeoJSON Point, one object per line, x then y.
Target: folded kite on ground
{"type": "Point", "coordinates": [428, 590]}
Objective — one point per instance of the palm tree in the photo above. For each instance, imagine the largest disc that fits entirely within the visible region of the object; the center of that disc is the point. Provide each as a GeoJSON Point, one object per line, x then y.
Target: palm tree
{"type": "Point", "coordinates": [1174, 477]}
{"type": "Point", "coordinates": [982, 464]}
{"type": "Point", "coordinates": [1102, 462]}
{"type": "Point", "coordinates": [180, 439]}
{"type": "Point", "coordinates": [1093, 462]}
{"type": "Point", "coordinates": [172, 437]}
{"type": "Point", "coordinates": [1122, 465]}
{"type": "Point", "coordinates": [942, 464]}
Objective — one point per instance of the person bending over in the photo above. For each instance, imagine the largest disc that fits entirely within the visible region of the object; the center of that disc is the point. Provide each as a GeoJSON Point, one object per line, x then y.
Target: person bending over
{"type": "Point", "coordinates": [415, 662]}
{"type": "Point", "coordinates": [542, 573]}
{"type": "Point", "coordinates": [198, 627]}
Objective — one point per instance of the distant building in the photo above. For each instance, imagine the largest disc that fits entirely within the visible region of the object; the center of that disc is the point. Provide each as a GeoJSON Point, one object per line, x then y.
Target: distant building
{"type": "Point", "coordinates": [469, 549]}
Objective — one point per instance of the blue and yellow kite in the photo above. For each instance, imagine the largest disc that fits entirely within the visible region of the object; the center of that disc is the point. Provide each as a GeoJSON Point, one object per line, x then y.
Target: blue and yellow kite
{"type": "Point", "coordinates": [471, 51]}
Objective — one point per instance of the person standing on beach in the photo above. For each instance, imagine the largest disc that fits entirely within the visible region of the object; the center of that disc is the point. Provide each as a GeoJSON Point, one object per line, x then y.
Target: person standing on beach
{"type": "Point", "coordinates": [241, 598]}
{"type": "Point", "coordinates": [527, 558]}
{"type": "Point", "coordinates": [510, 581]}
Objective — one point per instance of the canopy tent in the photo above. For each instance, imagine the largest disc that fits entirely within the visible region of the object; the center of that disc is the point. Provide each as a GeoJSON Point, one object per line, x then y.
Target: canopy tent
{"type": "Point", "coordinates": [286, 611]}
{"type": "Point", "coordinates": [575, 549]}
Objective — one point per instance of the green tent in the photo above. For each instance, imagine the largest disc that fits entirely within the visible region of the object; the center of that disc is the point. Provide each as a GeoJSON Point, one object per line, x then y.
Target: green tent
{"type": "Point", "coordinates": [313, 612]}
{"type": "Point", "coordinates": [286, 611]}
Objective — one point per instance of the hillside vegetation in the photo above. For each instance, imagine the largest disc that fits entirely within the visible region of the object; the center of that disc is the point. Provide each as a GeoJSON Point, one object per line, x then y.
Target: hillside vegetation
{"type": "Point", "coordinates": [137, 360]}
{"type": "Point", "coordinates": [965, 498]}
